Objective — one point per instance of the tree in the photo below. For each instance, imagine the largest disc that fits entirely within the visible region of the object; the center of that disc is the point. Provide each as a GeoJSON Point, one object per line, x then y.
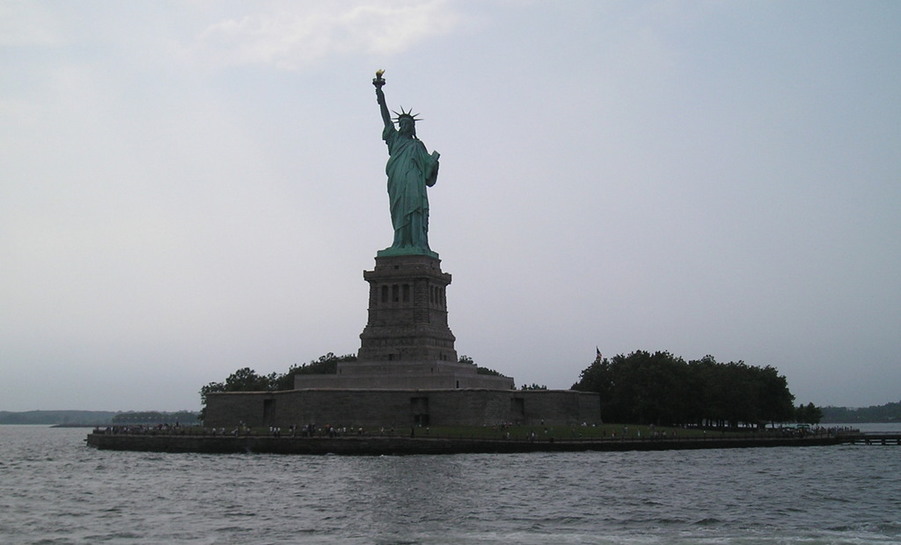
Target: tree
{"type": "Point", "coordinates": [479, 369]}
{"type": "Point", "coordinates": [775, 399]}
{"type": "Point", "coordinates": [890, 412]}
{"type": "Point", "coordinates": [808, 414]}
{"type": "Point", "coordinates": [326, 365]}
{"type": "Point", "coordinates": [663, 389]}
{"type": "Point", "coordinates": [242, 380]}
{"type": "Point", "coordinates": [247, 380]}
{"type": "Point", "coordinates": [533, 386]}
{"type": "Point", "coordinates": [595, 378]}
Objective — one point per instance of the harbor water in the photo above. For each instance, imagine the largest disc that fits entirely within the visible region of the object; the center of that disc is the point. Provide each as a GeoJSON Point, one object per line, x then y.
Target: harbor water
{"type": "Point", "coordinates": [55, 490]}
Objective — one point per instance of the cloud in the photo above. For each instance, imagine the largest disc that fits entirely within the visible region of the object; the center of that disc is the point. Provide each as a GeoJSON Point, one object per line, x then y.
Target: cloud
{"type": "Point", "coordinates": [23, 24]}
{"type": "Point", "coordinates": [300, 34]}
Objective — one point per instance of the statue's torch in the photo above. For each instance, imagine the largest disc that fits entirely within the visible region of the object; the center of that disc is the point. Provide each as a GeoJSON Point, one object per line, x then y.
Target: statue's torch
{"type": "Point", "coordinates": [378, 81]}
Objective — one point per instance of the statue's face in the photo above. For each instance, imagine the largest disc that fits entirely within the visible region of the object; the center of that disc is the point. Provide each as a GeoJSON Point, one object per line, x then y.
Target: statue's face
{"type": "Point", "coordinates": [406, 126]}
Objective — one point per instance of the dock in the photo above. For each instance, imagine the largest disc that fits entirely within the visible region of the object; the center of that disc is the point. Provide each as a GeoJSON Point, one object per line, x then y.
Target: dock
{"type": "Point", "coordinates": [872, 438]}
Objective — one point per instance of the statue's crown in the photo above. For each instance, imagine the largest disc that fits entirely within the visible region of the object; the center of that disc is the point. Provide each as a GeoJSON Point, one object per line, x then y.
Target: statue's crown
{"type": "Point", "coordinates": [408, 114]}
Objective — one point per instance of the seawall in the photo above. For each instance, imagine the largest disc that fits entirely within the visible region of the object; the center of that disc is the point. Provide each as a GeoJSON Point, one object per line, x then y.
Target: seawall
{"type": "Point", "coordinates": [379, 445]}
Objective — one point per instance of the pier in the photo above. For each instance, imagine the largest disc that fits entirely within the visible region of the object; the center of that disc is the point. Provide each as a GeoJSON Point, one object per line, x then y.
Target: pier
{"type": "Point", "coordinates": [874, 438]}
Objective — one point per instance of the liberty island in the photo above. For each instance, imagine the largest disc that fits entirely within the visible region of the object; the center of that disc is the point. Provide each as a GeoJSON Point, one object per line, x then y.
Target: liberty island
{"type": "Point", "coordinates": [407, 372]}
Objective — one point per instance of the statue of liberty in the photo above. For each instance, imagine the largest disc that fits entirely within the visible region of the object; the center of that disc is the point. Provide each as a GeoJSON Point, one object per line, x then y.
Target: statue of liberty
{"type": "Point", "coordinates": [410, 170]}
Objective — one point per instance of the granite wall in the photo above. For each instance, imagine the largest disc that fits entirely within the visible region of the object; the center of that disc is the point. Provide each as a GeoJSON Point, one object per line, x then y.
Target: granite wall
{"type": "Point", "coordinates": [401, 408]}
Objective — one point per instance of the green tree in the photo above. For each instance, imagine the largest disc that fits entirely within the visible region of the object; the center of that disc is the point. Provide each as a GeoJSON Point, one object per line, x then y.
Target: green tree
{"type": "Point", "coordinates": [247, 380]}
{"type": "Point", "coordinates": [326, 364]}
{"type": "Point", "coordinates": [775, 399]}
{"type": "Point", "coordinates": [242, 380]}
{"type": "Point", "coordinates": [479, 369]}
{"type": "Point", "coordinates": [596, 378]}
{"type": "Point", "coordinates": [808, 414]}
{"type": "Point", "coordinates": [660, 388]}
{"type": "Point", "coordinates": [890, 412]}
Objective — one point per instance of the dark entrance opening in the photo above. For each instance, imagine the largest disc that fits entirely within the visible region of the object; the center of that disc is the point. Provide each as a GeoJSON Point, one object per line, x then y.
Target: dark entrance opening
{"type": "Point", "coordinates": [419, 408]}
{"type": "Point", "coordinates": [268, 412]}
{"type": "Point", "coordinates": [517, 407]}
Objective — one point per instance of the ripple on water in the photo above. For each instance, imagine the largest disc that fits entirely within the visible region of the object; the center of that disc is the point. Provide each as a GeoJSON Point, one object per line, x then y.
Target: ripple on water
{"type": "Point", "coordinates": [55, 490]}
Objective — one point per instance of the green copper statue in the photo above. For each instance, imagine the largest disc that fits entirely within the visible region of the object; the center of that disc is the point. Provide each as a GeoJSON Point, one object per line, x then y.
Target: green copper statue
{"type": "Point", "coordinates": [410, 170]}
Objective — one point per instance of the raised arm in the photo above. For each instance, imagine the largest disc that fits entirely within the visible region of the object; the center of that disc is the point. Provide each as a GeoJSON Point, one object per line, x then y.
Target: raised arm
{"type": "Point", "coordinates": [378, 82]}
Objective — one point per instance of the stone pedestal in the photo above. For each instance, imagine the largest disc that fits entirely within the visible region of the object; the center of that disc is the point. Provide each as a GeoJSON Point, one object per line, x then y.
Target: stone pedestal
{"type": "Point", "coordinates": [407, 312]}
{"type": "Point", "coordinates": [406, 343]}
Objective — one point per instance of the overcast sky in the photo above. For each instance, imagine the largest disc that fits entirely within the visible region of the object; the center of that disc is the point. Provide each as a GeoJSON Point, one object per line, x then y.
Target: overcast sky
{"type": "Point", "coordinates": [191, 187]}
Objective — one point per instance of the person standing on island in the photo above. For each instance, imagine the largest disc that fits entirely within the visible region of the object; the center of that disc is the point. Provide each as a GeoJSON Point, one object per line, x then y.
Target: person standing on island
{"type": "Point", "coordinates": [410, 170]}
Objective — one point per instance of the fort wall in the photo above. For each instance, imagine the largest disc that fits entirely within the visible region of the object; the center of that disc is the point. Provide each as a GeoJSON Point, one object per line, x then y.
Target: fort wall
{"type": "Point", "coordinates": [401, 408]}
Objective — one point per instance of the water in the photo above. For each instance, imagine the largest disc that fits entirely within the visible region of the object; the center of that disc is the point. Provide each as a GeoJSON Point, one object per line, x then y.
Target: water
{"type": "Point", "coordinates": [55, 490]}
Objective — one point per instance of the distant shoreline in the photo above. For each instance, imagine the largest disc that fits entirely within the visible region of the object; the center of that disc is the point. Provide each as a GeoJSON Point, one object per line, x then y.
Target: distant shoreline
{"type": "Point", "coordinates": [67, 425]}
{"type": "Point", "coordinates": [81, 419]}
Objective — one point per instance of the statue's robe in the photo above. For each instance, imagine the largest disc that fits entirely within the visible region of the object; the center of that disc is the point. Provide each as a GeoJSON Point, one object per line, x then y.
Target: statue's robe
{"type": "Point", "coordinates": [410, 170]}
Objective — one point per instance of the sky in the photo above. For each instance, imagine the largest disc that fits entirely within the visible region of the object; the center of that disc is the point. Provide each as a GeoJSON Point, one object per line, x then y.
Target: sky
{"type": "Point", "coordinates": [192, 187]}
